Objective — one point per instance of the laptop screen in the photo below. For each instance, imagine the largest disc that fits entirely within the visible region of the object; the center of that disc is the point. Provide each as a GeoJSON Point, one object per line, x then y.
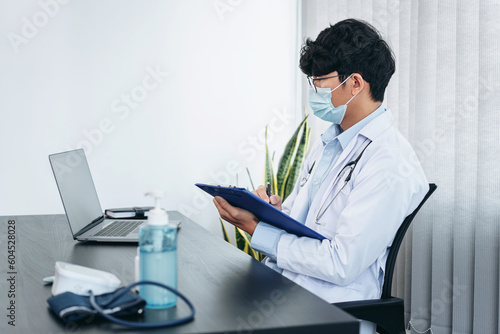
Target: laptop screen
{"type": "Point", "coordinates": [76, 188]}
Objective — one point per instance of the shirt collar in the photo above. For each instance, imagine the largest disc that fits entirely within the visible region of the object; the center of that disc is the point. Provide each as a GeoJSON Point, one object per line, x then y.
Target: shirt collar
{"type": "Point", "coordinates": [331, 133]}
{"type": "Point", "coordinates": [335, 131]}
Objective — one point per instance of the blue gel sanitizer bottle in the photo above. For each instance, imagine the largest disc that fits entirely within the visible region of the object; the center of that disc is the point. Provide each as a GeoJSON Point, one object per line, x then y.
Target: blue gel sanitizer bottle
{"type": "Point", "coordinates": [158, 257]}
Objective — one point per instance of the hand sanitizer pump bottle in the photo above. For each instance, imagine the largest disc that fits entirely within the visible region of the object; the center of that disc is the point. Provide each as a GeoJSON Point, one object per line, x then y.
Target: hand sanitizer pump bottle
{"type": "Point", "coordinates": [158, 257]}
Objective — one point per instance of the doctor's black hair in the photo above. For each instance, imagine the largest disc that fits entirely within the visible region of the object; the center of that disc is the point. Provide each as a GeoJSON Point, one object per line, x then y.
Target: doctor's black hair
{"type": "Point", "coordinates": [350, 46]}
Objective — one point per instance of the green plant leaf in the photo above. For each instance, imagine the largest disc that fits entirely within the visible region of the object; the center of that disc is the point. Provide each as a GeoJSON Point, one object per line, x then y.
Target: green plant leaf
{"type": "Point", "coordinates": [308, 138]}
{"type": "Point", "coordinates": [248, 238]}
{"type": "Point", "coordinates": [286, 159]}
{"type": "Point", "coordinates": [240, 241]}
{"type": "Point", "coordinates": [308, 132]}
{"type": "Point", "coordinates": [269, 175]}
{"type": "Point", "coordinates": [250, 177]}
{"type": "Point", "coordinates": [244, 240]}
{"type": "Point", "coordinates": [297, 162]}
{"type": "Point", "coordinates": [224, 232]}
{"type": "Point", "coordinates": [295, 150]}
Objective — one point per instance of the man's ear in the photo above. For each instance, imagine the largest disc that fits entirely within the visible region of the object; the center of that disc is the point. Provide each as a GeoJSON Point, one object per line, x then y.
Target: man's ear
{"type": "Point", "coordinates": [358, 83]}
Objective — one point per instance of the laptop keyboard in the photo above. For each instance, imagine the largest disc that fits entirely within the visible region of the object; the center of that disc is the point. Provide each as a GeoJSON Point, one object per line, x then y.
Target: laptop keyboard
{"type": "Point", "coordinates": [119, 228]}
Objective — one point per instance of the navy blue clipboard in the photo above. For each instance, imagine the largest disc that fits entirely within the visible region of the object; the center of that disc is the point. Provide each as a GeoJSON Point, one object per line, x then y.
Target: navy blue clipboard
{"type": "Point", "coordinates": [242, 198]}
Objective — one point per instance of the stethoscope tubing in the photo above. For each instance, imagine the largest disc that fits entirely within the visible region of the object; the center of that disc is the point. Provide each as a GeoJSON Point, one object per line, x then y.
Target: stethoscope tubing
{"type": "Point", "coordinates": [351, 165]}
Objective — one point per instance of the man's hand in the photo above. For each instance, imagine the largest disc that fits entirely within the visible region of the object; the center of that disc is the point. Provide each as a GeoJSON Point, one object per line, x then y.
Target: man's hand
{"type": "Point", "coordinates": [274, 200]}
{"type": "Point", "coordinates": [241, 218]}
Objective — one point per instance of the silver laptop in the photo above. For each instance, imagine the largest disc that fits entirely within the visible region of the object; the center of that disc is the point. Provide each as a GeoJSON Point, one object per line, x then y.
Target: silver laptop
{"type": "Point", "coordinates": [80, 201]}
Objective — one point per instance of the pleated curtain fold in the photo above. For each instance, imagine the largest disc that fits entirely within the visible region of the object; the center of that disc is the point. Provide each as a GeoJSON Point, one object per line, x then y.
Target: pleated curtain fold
{"type": "Point", "coordinates": [445, 97]}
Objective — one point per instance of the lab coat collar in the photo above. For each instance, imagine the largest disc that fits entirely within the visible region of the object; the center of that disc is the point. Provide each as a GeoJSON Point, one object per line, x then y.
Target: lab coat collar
{"type": "Point", "coordinates": [345, 137]}
{"type": "Point", "coordinates": [370, 131]}
{"type": "Point", "coordinates": [377, 126]}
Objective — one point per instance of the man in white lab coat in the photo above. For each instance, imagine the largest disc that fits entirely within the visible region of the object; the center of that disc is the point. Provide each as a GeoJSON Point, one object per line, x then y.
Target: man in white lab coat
{"type": "Point", "coordinates": [359, 180]}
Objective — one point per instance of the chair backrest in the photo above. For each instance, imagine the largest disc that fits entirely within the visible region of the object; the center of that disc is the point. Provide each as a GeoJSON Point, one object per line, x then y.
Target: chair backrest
{"type": "Point", "coordinates": [398, 239]}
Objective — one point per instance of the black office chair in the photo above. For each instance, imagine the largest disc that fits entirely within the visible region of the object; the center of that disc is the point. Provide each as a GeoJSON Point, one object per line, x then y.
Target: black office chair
{"type": "Point", "coordinates": [387, 312]}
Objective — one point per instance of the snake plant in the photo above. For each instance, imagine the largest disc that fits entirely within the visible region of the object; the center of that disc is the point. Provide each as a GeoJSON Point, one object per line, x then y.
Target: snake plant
{"type": "Point", "coordinates": [282, 182]}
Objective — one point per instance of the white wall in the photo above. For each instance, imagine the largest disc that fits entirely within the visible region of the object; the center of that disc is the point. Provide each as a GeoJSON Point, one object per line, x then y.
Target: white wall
{"type": "Point", "coordinates": [228, 68]}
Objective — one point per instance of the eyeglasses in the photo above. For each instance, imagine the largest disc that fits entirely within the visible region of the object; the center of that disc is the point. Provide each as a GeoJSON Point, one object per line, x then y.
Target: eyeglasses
{"type": "Point", "coordinates": [312, 81]}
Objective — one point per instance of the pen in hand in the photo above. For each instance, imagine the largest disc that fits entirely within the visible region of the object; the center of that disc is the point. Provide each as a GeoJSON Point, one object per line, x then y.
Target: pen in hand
{"type": "Point", "coordinates": [275, 201]}
{"type": "Point", "coordinates": [268, 189]}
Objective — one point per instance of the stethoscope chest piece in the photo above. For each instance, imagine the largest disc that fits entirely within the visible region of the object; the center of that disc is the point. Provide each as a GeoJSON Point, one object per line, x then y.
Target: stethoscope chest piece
{"type": "Point", "coordinates": [305, 178]}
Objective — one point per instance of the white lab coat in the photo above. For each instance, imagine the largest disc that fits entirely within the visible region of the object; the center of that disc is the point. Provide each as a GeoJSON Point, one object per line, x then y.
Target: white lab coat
{"type": "Point", "coordinates": [387, 185]}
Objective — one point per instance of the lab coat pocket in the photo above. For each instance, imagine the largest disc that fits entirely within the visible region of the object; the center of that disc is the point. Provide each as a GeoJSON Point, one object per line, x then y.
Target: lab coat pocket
{"type": "Point", "coordinates": [346, 190]}
{"type": "Point", "coordinates": [328, 228]}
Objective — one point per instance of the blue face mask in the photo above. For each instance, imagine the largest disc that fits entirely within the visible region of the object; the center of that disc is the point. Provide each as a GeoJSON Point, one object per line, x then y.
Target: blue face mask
{"type": "Point", "coordinates": [321, 104]}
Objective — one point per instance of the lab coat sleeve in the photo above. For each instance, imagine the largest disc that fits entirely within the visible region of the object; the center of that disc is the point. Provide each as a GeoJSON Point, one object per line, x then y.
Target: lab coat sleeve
{"type": "Point", "coordinates": [375, 208]}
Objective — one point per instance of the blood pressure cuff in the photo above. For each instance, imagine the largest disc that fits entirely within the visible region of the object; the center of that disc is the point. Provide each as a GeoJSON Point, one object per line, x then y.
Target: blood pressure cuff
{"type": "Point", "coordinates": [72, 307]}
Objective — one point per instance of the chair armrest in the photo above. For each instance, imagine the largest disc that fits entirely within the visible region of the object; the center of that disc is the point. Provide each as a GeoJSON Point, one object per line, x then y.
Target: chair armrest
{"type": "Point", "coordinates": [369, 304]}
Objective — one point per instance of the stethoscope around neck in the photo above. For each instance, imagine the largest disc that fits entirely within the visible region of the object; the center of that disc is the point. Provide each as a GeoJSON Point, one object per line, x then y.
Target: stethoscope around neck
{"type": "Point", "coordinates": [349, 169]}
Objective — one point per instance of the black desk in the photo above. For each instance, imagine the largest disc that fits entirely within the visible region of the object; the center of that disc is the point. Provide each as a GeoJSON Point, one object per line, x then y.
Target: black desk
{"type": "Point", "coordinates": [232, 292]}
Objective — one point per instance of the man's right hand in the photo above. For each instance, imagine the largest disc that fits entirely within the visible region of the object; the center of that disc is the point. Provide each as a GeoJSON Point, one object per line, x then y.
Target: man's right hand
{"type": "Point", "coordinates": [274, 200]}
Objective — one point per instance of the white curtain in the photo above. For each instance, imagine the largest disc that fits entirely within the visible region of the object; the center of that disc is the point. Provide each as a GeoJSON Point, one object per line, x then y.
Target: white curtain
{"type": "Point", "coordinates": [445, 96]}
